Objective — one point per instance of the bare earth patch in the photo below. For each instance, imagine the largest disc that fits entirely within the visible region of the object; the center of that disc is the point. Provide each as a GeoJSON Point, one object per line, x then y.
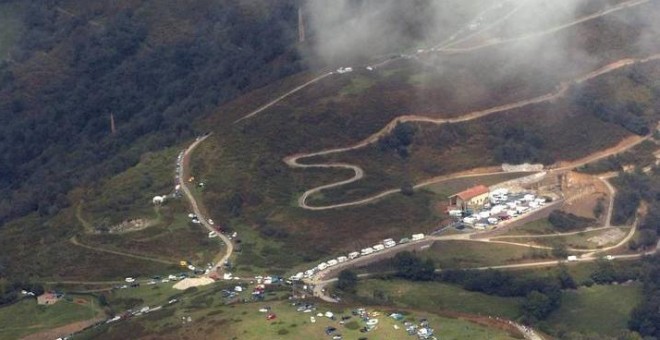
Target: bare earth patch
{"type": "Point", "coordinates": [193, 282]}
{"type": "Point", "coordinates": [62, 331]}
{"type": "Point", "coordinates": [584, 206]}
{"type": "Point", "coordinates": [607, 237]}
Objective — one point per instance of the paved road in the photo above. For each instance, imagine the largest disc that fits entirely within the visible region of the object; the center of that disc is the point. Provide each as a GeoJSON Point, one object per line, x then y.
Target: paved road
{"type": "Point", "coordinates": [185, 164]}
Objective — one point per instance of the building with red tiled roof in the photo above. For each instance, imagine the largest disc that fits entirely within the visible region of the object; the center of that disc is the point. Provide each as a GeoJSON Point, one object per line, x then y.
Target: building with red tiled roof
{"type": "Point", "coordinates": [470, 198]}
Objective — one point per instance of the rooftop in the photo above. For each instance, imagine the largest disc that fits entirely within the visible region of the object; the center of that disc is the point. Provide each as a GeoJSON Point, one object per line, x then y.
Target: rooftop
{"type": "Point", "coordinates": [472, 192]}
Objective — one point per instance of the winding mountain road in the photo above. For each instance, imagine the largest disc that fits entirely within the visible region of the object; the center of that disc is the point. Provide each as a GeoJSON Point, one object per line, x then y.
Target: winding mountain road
{"type": "Point", "coordinates": [294, 161]}
{"type": "Point", "coordinates": [185, 166]}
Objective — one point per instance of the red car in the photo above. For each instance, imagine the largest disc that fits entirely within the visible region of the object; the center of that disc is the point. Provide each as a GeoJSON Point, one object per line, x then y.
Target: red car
{"type": "Point", "coordinates": [271, 316]}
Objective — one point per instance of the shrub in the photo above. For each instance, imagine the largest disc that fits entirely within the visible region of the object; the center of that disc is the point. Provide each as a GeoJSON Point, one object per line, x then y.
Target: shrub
{"type": "Point", "coordinates": [566, 221]}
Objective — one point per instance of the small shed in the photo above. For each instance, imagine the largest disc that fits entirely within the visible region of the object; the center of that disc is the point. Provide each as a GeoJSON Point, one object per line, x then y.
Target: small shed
{"type": "Point", "coordinates": [158, 200]}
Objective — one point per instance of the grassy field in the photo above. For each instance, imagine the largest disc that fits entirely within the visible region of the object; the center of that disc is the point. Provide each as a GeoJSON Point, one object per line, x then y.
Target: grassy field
{"type": "Point", "coordinates": [145, 295]}
{"type": "Point", "coordinates": [466, 254]}
{"type": "Point", "coordinates": [538, 227]}
{"type": "Point", "coordinates": [450, 187]}
{"type": "Point", "coordinates": [434, 296]}
{"type": "Point", "coordinates": [295, 325]}
{"type": "Point", "coordinates": [579, 241]}
{"type": "Point", "coordinates": [128, 195]}
{"type": "Point", "coordinates": [26, 317]}
{"type": "Point", "coordinates": [211, 319]}
{"type": "Point", "coordinates": [601, 310]}
{"type": "Point", "coordinates": [358, 85]}
{"type": "Point", "coordinates": [123, 197]}
{"type": "Point", "coordinates": [53, 257]}
{"type": "Point", "coordinates": [192, 242]}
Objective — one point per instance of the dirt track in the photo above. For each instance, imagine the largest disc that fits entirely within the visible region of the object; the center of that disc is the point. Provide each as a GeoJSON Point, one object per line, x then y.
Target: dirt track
{"type": "Point", "coordinates": [280, 98]}
{"type": "Point", "coordinates": [195, 206]}
{"type": "Point", "coordinates": [62, 331]}
{"type": "Point", "coordinates": [75, 241]}
{"type": "Point", "coordinates": [294, 160]}
{"type": "Point", "coordinates": [495, 42]}
{"type": "Point", "coordinates": [320, 282]}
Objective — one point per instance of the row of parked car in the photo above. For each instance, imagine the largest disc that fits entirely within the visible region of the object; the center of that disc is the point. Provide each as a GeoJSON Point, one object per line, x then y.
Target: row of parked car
{"type": "Point", "coordinates": [387, 243]}
{"type": "Point", "coordinates": [502, 206]}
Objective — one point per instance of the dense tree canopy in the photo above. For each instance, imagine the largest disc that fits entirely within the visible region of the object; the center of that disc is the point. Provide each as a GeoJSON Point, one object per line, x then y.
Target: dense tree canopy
{"type": "Point", "coordinates": [563, 221]}
{"type": "Point", "coordinates": [55, 131]}
{"type": "Point", "coordinates": [645, 318]}
{"type": "Point", "coordinates": [347, 281]}
{"type": "Point", "coordinates": [411, 267]}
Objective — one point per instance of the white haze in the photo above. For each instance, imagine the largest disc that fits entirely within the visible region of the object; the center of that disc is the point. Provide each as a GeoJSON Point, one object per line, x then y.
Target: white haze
{"type": "Point", "coordinates": [344, 30]}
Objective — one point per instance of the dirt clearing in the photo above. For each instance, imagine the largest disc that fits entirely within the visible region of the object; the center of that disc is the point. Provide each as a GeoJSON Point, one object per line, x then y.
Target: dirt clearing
{"type": "Point", "coordinates": [193, 282]}
{"type": "Point", "coordinates": [608, 237]}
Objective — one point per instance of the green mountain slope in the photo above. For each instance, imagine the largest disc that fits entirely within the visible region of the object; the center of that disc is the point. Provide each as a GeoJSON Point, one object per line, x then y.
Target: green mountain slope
{"type": "Point", "coordinates": [156, 67]}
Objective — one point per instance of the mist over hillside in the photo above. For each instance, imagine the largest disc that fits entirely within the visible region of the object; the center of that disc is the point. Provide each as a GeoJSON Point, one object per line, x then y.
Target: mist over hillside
{"type": "Point", "coordinates": [158, 67]}
{"type": "Point", "coordinates": [210, 142]}
{"type": "Point", "coordinates": [349, 29]}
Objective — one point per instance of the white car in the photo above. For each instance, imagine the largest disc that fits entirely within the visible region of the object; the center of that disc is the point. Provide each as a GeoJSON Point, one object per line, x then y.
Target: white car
{"type": "Point", "coordinates": [129, 279]}
{"type": "Point", "coordinates": [389, 243]}
{"type": "Point", "coordinates": [366, 251]}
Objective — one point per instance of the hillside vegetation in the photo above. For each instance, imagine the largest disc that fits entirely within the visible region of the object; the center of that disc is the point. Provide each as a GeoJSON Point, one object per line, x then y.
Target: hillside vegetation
{"type": "Point", "coordinates": [156, 67]}
{"type": "Point", "coordinates": [168, 71]}
{"type": "Point", "coordinates": [250, 187]}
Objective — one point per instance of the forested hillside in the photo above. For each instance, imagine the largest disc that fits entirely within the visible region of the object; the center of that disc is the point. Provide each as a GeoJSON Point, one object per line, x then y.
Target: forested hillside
{"type": "Point", "coordinates": [156, 66]}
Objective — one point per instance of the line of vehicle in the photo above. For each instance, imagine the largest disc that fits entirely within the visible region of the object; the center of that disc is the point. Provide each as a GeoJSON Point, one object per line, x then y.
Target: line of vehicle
{"type": "Point", "coordinates": [185, 162]}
